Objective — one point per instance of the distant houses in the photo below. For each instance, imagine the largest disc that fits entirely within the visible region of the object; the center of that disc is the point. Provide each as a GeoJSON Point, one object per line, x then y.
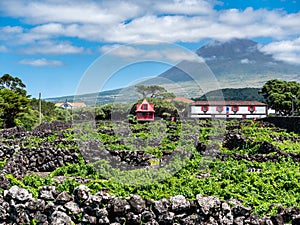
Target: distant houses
{"type": "Point", "coordinates": [228, 109]}
{"type": "Point", "coordinates": [70, 105]}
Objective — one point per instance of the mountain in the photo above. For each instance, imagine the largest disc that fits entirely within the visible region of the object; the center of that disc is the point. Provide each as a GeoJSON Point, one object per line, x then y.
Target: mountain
{"type": "Point", "coordinates": [235, 63]}
{"type": "Point", "coordinates": [89, 99]}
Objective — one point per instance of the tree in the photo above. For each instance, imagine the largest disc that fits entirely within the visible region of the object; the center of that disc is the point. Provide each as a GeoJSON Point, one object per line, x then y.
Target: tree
{"type": "Point", "coordinates": [181, 107]}
{"type": "Point", "coordinates": [153, 91]}
{"type": "Point", "coordinates": [12, 83]}
{"type": "Point", "coordinates": [13, 100]}
{"type": "Point", "coordinates": [282, 95]}
{"type": "Point", "coordinates": [11, 105]}
{"type": "Point", "coordinates": [48, 108]}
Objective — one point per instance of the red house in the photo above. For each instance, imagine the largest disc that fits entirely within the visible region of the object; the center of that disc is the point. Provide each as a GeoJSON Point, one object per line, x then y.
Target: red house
{"type": "Point", "coordinates": [145, 111]}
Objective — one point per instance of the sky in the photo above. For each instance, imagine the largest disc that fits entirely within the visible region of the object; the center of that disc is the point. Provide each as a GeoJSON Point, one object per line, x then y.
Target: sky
{"type": "Point", "coordinates": [52, 44]}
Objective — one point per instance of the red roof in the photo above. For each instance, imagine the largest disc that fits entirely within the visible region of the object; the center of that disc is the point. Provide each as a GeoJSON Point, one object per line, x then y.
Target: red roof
{"type": "Point", "coordinates": [150, 107]}
{"type": "Point", "coordinates": [230, 103]}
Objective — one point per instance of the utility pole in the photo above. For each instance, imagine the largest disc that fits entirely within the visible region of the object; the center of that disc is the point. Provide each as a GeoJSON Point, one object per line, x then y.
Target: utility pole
{"type": "Point", "coordinates": [40, 108]}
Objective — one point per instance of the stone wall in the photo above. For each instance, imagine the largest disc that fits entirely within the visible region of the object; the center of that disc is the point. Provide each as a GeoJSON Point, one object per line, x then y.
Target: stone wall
{"type": "Point", "coordinates": [291, 124]}
{"type": "Point", "coordinates": [17, 206]}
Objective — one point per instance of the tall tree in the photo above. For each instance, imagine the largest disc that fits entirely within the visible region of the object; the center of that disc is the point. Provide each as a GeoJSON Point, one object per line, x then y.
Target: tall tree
{"type": "Point", "coordinates": [153, 91]}
{"type": "Point", "coordinates": [11, 105]}
{"type": "Point", "coordinates": [13, 99]}
{"type": "Point", "coordinates": [282, 95]}
{"type": "Point", "coordinates": [12, 83]}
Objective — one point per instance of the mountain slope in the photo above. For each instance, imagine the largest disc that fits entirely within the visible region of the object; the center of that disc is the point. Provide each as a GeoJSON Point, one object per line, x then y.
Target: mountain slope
{"type": "Point", "coordinates": [239, 94]}
{"type": "Point", "coordinates": [236, 63]}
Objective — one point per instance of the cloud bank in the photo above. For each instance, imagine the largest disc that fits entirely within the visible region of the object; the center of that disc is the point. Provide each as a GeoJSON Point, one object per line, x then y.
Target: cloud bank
{"type": "Point", "coordinates": [110, 22]}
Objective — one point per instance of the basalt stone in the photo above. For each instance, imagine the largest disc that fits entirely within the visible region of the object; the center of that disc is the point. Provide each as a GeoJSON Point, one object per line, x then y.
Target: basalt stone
{"type": "Point", "coordinates": [4, 211]}
{"type": "Point", "coordinates": [73, 208]}
{"type": "Point", "coordinates": [208, 205]}
{"type": "Point", "coordinates": [238, 210]}
{"type": "Point", "coordinates": [133, 219]}
{"type": "Point", "coordinates": [147, 216]}
{"type": "Point", "coordinates": [35, 204]}
{"type": "Point", "coordinates": [167, 218]}
{"type": "Point", "coordinates": [161, 206]}
{"type": "Point", "coordinates": [119, 207]}
{"type": "Point", "coordinates": [48, 193]}
{"type": "Point", "coordinates": [63, 198]}
{"type": "Point", "coordinates": [89, 219]}
{"type": "Point", "coordinates": [252, 220]}
{"type": "Point", "coordinates": [17, 194]}
{"type": "Point", "coordinates": [179, 203]}
{"type": "Point", "coordinates": [4, 182]}
{"type": "Point", "coordinates": [81, 194]}
{"type": "Point", "coordinates": [41, 218]}
{"type": "Point", "coordinates": [191, 220]}
{"type": "Point", "coordinates": [277, 220]}
{"type": "Point", "coordinates": [296, 219]}
{"type": "Point", "coordinates": [60, 218]}
{"type": "Point", "coordinates": [239, 220]}
{"type": "Point", "coordinates": [137, 203]}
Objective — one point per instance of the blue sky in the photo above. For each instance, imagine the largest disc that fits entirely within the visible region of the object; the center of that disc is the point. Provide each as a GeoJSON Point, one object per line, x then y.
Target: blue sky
{"type": "Point", "coordinates": [50, 44]}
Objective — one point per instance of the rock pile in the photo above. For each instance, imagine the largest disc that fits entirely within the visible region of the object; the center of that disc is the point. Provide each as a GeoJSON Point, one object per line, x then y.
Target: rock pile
{"type": "Point", "coordinates": [43, 156]}
{"type": "Point", "coordinates": [59, 208]}
{"type": "Point", "coordinates": [236, 141]}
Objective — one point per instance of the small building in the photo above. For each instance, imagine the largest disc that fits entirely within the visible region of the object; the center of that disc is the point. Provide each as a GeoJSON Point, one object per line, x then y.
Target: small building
{"type": "Point", "coordinates": [145, 111]}
{"type": "Point", "coordinates": [228, 109]}
{"type": "Point", "coordinates": [70, 105]}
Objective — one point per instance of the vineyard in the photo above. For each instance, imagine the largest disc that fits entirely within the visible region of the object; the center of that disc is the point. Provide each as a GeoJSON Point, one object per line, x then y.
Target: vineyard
{"type": "Point", "coordinates": [251, 168]}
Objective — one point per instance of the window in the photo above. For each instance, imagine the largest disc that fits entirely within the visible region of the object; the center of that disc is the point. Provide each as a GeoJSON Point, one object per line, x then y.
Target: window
{"type": "Point", "coordinates": [219, 108]}
{"type": "Point", "coordinates": [251, 108]}
{"type": "Point", "coordinates": [205, 108]}
{"type": "Point", "coordinates": [144, 107]}
{"type": "Point", "coordinates": [234, 108]}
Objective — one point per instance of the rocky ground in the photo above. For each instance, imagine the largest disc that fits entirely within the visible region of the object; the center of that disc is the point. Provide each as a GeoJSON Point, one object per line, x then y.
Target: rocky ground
{"type": "Point", "coordinates": [18, 206]}
{"type": "Point", "coordinates": [58, 208]}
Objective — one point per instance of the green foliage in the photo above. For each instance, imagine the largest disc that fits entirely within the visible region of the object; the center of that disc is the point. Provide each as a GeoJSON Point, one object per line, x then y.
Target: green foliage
{"type": "Point", "coordinates": [47, 109]}
{"type": "Point", "coordinates": [12, 104]}
{"type": "Point", "coordinates": [153, 91]}
{"type": "Point", "coordinates": [272, 183]}
{"type": "Point", "coordinates": [14, 84]}
{"type": "Point", "coordinates": [3, 163]}
{"type": "Point", "coordinates": [236, 94]}
{"type": "Point", "coordinates": [281, 95]}
{"type": "Point", "coordinates": [28, 119]}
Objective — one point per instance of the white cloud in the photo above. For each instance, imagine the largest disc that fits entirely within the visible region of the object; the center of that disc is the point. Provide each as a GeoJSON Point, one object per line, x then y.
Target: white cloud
{"type": "Point", "coordinates": [121, 51]}
{"type": "Point", "coordinates": [188, 7]}
{"type": "Point", "coordinates": [135, 21]}
{"type": "Point", "coordinates": [40, 62]}
{"type": "Point", "coordinates": [3, 48]}
{"type": "Point", "coordinates": [52, 48]}
{"type": "Point", "coordinates": [288, 51]}
{"type": "Point", "coordinates": [246, 61]}
{"type": "Point", "coordinates": [67, 11]}
{"type": "Point", "coordinates": [171, 54]}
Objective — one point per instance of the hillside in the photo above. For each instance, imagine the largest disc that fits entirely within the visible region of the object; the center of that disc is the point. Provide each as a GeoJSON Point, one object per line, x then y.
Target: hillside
{"type": "Point", "coordinates": [236, 58]}
{"type": "Point", "coordinates": [240, 94]}
{"type": "Point", "coordinates": [238, 63]}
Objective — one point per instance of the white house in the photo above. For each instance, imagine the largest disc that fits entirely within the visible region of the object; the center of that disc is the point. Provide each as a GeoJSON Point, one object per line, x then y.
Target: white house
{"type": "Point", "coordinates": [70, 105]}
{"type": "Point", "coordinates": [228, 109]}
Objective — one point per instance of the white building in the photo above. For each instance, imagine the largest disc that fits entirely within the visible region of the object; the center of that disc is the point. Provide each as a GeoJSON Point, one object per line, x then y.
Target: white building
{"type": "Point", "coordinates": [228, 109]}
{"type": "Point", "coordinates": [70, 105]}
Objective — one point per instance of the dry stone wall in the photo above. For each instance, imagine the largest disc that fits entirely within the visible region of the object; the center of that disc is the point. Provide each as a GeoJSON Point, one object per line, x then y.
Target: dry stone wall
{"type": "Point", "coordinates": [17, 206]}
